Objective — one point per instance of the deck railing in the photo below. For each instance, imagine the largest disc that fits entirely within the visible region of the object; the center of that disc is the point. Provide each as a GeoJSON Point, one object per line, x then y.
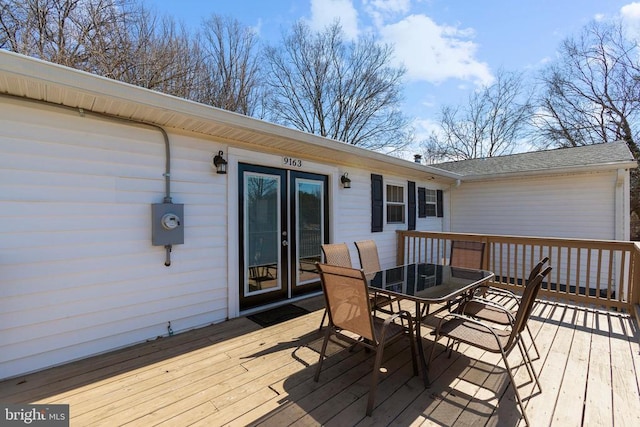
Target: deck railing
{"type": "Point", "coordinates": [603, 273]}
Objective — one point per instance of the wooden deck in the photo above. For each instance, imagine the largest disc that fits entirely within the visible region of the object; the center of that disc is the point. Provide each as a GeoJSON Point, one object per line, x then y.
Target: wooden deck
{"type": "Point", "coordinates": [237, 373]}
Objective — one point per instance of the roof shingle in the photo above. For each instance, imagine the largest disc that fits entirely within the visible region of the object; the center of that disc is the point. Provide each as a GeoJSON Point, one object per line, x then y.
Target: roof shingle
{"type": "Point", "coordinates": [547, 160]}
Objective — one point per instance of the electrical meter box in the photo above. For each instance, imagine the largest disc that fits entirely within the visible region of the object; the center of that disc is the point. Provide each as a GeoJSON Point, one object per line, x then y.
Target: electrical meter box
{"type": "Point", "coordinates": [167, 224]}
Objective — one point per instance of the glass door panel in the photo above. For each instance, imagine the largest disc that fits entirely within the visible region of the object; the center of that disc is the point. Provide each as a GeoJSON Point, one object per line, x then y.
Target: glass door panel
{"type": "Point", "coordinates": [310, 226]}
{"type": "Point", "coordinates": [263, 223]}
{"type": "Point", "coordinates": [262, 236]}
{"type": "Point", "coordinates": [283, 221]}
{"type": "Point", "coordinates": [310, 229]}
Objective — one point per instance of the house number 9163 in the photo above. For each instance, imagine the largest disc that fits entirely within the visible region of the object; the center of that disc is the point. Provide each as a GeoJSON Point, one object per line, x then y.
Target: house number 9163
{"type": "Point", "coordinates": [290, 161]}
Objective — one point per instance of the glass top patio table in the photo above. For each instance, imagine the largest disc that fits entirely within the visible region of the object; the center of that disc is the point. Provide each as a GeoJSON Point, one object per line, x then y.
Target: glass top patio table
{"type": "Point", "coordinates": [427, 284]}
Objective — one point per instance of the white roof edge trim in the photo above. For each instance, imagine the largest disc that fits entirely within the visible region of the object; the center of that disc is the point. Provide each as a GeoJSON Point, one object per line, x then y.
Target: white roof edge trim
{"type": "Point", "coordinates": [99, 86]}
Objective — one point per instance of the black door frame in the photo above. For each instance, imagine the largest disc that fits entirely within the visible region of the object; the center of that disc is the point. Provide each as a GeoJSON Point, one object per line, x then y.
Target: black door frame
{"type": "Point", "coordinates": [288, 250]}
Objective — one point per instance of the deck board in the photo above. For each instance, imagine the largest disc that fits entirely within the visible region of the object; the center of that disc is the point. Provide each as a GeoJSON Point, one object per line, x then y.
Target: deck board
{"type": "Point", "coordinates": [236, 374]}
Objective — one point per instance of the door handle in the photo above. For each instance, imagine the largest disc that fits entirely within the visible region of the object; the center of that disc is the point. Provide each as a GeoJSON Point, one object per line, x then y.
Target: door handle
{"type": "Point", "coordinates": [285, 243]}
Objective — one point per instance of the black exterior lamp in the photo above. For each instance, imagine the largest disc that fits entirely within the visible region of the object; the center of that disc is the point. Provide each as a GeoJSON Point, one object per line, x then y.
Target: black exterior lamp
{"type": "Point", "coordinates": [220, 163]}
{"type": "Point", "coordinates": [346, 182]}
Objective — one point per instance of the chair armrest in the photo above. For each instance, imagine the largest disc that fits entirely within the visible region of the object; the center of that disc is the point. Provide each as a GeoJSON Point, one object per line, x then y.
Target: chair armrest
{"type": "Point", "coordinates": [404, 314]}
{"type": "Point", "coordinates": [505, 292]}
{"type": "Point", "coordinates": [468, 319]}
{"type": "Point", "coordinates": [492, 304]}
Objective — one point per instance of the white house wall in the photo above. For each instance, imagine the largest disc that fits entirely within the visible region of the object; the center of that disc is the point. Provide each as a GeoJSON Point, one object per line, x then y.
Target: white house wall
{"type": "Point", "coordinates": [78, 272]}
{"type": "Point", "coordinates": [572, 206]}
{"type": "Point", "coordinates": [353, 221]}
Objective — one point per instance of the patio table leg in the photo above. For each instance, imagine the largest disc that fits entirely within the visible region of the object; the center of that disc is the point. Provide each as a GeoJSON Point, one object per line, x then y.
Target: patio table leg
{"type": "Point", "coordinates": [423, 361]}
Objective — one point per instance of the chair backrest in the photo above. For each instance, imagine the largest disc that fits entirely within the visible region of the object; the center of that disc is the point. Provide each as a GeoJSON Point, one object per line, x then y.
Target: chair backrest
{"type": "Point", "coordinates": [347, 299]}
{"type": "Point", "coordinates": [466, 254]}
{"type": "Point", "coordinates": [368, 253]}
{"type": "Point", "coordinates": [336, 254]}
{"type": "Point", "coordinates": [536, 270]}
{"type": "Point", "coordinates": [528, 299]}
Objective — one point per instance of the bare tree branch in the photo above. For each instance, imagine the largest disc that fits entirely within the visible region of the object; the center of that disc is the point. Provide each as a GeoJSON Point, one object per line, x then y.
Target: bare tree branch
{"type": "Point", "coordinates": [492, 123]}
{"type": "Point", "coordinates": [345, 91]}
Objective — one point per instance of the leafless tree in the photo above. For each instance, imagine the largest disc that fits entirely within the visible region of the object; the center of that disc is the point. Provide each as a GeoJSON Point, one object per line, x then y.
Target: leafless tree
{"type": "Point", "coordinates": [231, 64]}
{"type": "Point", "coordinates": [591, 90]}
{"type": "Point", "coordinates": [491, 124]}
{"type": "Point", "coordinates": [54, 30]}
{"type": "Point", "coordinates": [346, 91]}
{"type": "Point", "coordinates": [119, 39]}
{"type": "Point", "coordinates": [148, 51]}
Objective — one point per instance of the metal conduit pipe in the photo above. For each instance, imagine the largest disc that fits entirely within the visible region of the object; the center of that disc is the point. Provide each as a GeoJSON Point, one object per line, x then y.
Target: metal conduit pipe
{"type": "Point", "coordinates": [165, 136]}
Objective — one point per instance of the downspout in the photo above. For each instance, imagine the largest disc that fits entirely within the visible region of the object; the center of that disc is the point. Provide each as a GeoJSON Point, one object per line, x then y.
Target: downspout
{"type": "Point", "coordinates": [621, 229]}
{"type": "Point", "coordinates": [451, 190]}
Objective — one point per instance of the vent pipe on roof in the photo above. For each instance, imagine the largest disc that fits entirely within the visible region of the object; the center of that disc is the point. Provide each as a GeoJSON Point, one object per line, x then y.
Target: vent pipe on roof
{"type": "Point", "coordinates": [417, 158]}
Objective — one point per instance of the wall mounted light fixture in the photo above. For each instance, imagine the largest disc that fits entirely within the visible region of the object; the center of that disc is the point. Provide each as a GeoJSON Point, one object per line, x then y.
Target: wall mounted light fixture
{"type": "Point", "coordinates": [220, 163]}
{"type": "Point", "coordinates": [346, 182]}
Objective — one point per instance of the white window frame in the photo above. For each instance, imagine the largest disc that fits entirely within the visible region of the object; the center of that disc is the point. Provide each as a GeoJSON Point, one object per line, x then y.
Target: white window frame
{"type": "Point", "coordinates": [388, 203]}
{"type": "Point", "coordinates": [431, 194]}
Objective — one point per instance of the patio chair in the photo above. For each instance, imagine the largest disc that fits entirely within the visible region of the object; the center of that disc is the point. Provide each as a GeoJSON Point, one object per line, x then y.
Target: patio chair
{"type": "Point", "coordinates": [351, 320]}
{"type": "Point", "coordinates": [370, 263]}
{"type": "Point", "coordinates": [460, 328]}
{"type": "Point", "coordinates": [336, 254]}
{"type": "Point", "coordinates": [466, 254]}
{"type": "Point", "coordinates": [488, 310]}
{"type": "Point", "coordinates": [368, 254]}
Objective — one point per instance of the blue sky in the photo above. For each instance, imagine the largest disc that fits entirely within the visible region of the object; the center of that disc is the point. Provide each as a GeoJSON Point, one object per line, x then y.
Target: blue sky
{"type": "Point", "coordinates": [449, 47]}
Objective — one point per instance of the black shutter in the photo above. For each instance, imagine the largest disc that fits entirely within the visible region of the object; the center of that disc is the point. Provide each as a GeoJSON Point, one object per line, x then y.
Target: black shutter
{"type": "Point", "coordinates": [411, 203]}
{"type": "Point", "coordinates": [377, 203]}
{"type": "Point", "coordinates": [439, 205]}
{"type": "Point", "coordinates": [422, 202]}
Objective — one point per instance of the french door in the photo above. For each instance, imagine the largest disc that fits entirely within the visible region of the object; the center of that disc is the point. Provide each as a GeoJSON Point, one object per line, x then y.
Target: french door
{"type": "Point", "coordinates": [283, 222]}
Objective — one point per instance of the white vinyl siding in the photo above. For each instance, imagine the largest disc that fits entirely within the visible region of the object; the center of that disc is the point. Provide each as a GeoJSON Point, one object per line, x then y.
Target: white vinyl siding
{"type": "Point", "coordinates": [577, 206]}
{"type": "Point", "coordinates": [351, 217]}
{"type": "Point", "coordinates": [79, 274]}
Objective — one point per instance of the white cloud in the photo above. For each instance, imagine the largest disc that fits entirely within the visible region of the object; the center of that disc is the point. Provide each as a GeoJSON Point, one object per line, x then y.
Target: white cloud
{"type": "Point", "coordinates": [630, 15]}
{"type": "Point", "coordinates": [325, 12]}
{"type": "Point", "coordinates": [435, 53]}
{"type": "Point", "coordinates": [381, 10]}
{"type": "Point", "coordinates": [631, 11]}
{"type": "Point", "coordinates": [392, 6]}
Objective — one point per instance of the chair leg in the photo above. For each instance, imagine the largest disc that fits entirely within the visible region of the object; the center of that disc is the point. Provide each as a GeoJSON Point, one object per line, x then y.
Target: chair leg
{"type": "Point", "coordinates": [433, 349]}
{"type": "Point", "coordinates": [374, 379]}
{"type": "Point", "coordinates": [327, 335]}
{"type": "Point", "coordinates": [324, 316]}
{"type": "Point", "coordinates": [535, 347]}
{"type": "Point", "coordinates": [526, 360]}
{"type": "Point", "coordinates": [515, 388]}
{"type": "Point", "coordinates": [529, 363]}
{"type": "Point", "coordinates": [412, 345]}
